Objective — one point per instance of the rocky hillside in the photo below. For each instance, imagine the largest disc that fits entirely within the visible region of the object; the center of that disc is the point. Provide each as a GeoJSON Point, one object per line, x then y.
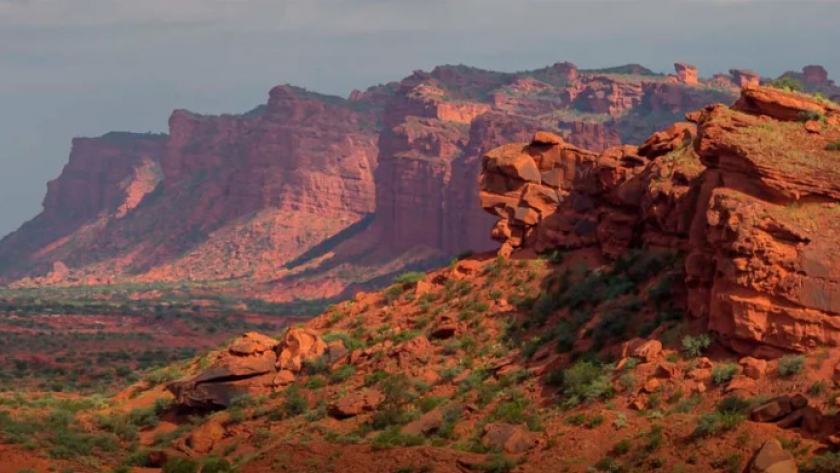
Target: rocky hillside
{"type": "Point", "coordinates": [663, 307]}
{"type": "Point", "coordinates": [311, 196]}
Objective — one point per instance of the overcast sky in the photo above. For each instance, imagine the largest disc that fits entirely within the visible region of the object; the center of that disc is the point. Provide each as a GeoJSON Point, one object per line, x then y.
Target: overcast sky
{"type": "Point", "coordinates": [85, 67]}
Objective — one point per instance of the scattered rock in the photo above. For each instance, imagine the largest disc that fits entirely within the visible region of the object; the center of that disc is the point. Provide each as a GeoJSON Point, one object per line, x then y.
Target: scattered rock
{"type": "Point", "coordinates": [771, 411]}
{"type": "Point", "coordinates": [813, 126]}
{"type": "Point", "coordinates": [753, 367]}
{"type": "Point", "coordinates": [356, 403]}
{"type": "Point", "coordinates": [206, 436]}
{"type": "Point", "coordinates": [428, 423]}
{"type": "Point", "coordinates": [512, 439]}
{"type": "Point", "coordinates": [772, 458]}
{"type": "Point", "coordinates": [649, 351]}
{"type": "Point", "coordinates": [798, 401]}
{"type": "Point", "coordinates": [742, 384]}
{"type": "Point", "coordinates": [652, 385]}
{"type": "Point", "coordinates": [667, 370]}
{"type": "Point", "coordinates": [298, 345]}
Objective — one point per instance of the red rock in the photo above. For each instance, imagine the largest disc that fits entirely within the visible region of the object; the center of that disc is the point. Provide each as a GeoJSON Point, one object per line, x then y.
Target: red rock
{"type": "Point", "coordinates": [813, 126]}
{"type": "Point", "coordinates": [252, 343]}
{"type": "Point", "coordinates": [667, 370]}
{"type": "Point", "coordinates": [296, 346]}
{"type": "Point", "coordinates": [798, 401]}
{"type": "Point", "coordinates": [772, 410]}
{"type": "Point", "coordinates": [686, 73]}
{"type": "Point", "coordinates": [649, 351]}
{"type": "Point", "coordinates": [652, 385]}
{"type": "Point", "coordinates": [745, 78]}
{"type": "Point", "coordinates": [772, 458]}
{"type": "Point", "coordinates": [355, 403]}
{"type": "Point", "coordinates": [512, 439]}
{"type": "Point", "coordinates": [753, 367]}
{"type": "Point", "coordinates": [203, 438]}
{"type": "Point", "coordinates": [427, 423]}
{"type": "Point", "coordinates": [742, 384]}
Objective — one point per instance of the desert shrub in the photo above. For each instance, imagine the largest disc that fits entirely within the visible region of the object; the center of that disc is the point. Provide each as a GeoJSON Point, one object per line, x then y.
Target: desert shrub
{"type": "Point", "coordinates": [410, 278]}
{"type": "Point", "coordinates": [215, 465]}
{"type": "Point", "coordinates": [343, 373]}
{"type": "Point", "coordinates": [392, 437]}
{"type": "Point", "coordinates": [833, 146]}
{"type": "Point", "coordinates": [826, 463]}
{"type": "Point", "coordinates": [496, 464]}
{"type": "Point", "coordinates": [787, 83]}
{"type": "Point", "coordinates": [695, 346]}
{"type": "Point", "coordinates": [730, 412]}
{"type": "Point", "coordinates": [608, 465]}
{"type": "Point", "coordinates": [790, 365]}
{"type": "Point", "coordinates": [731, 462]}
{"type": "Point", "coordinates": [586, 381]}
{"type": "Point", "coordinates": [314, 366]}
{"type": "Point", "coordinates": [294, 404]}
{"type": "Point", "coordinates": [180, 465]}
{"type": "Point", "coordinates": [722, 374]}
{"type": "Point", "coordinates": [315, 382]}
{"type": "Point", "coordinates": [622, 447]}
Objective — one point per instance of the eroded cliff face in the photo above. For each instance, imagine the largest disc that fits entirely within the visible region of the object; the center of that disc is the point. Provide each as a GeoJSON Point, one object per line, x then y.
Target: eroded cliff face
{"type": "Point", "coordinates": [105, 176]}
{"type": "Point", "coordinates": [747, 192]}
{"type": "Point", "coordinates": [312, 192]}
{"type": "Point", "coordinates": [238, 196]}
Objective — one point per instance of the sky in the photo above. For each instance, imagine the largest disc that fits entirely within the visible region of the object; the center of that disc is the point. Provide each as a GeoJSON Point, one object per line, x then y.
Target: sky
{"type": "Point", "coordinates": [85, 67]}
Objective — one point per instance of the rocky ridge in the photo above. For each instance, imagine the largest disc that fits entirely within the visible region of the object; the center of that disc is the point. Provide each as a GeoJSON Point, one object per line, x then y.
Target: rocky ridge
{"type": "Point", "coordinates": [243, 197]}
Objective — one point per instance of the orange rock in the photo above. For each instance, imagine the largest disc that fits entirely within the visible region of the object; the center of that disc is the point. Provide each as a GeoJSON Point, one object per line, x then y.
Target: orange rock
{"type": "Point", "coordinates": [652, 385]}
{"type": "Point", "coordinates": [252, 343]}
{"type": "Point", "coordinates": [686, 73]}
{"type": "Point", "coordinates": [355, 403]}
{"type": "Point", "coordinates": [813, 126]}
{"type": "Point", "coordinates": [296, 346]}
{"type": "Point", "coordinates": [742, 384]}
{"type": "Point", "coordinates": [772, 410]}
{"type": "Point", "coordinates": [203, 438]}
{"type": "Point", "coordinates": [753, 367]}
{"type": "Point", "coordinates": [648, 351]}
{"type": "Point", "coordinates": [512, 439]}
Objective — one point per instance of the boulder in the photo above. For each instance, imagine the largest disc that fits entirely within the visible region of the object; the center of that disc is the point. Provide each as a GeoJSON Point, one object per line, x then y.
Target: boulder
{"type": "Point", "coordinates": [513, 439]}
{"type": "Point", "coordinates": [649, 351]}
{"type": "Point", "coordinates": [772, 458]}
{"type": "Point", "coordinates": [428, 423]}
{"type": "Point", "coordinates": [246, 367]}
{"type": "Point", "coordinates": [771, 411]}
{"type": "Point", "coordinates": [206, 436]}
{"type": "Point", "coordinates": [753, 367]}
{"type": "Point", "coordinates": [356, 403]}
{"type": "Point", "coordinates": [296, 346]}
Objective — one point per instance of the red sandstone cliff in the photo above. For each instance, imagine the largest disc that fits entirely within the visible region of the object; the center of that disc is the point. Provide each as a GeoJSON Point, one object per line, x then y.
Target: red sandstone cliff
{"type": "Point", "coordinates": [748, 192]}
{"type": "Point", "coordinates": [287, 192]}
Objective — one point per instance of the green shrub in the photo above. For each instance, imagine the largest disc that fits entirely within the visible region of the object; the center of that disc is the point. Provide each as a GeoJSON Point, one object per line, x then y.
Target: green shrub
{"type": "Point", "coordinates": [315, 383]}
{"type": "Point", "coordinates": [392, 437]}
{"type": "Point", "coordinates": [180, 465]}
{"type": "Point", "coordinates": [722, 374]}
{"type": "Point", "coordinates": [695, 346]}
{"type": "Point", "coordinates": [342, 374]}
{"type": "Point", "coordinates": [294, 404]}
{"type": "Point", "coordinates": [215, 465]}
{"type": "Point", "coordinates": [833, 146]}
{"type": "Point", "coordinates": [608, 465]}
{"type": "Point", "coordinates": [410, 278]}
{"type": "Point", "coordinates": [790, 365]}
{"type": "Point", "coordinates": [622, 447]}
{"type": "Point", "coordinates": [586, 381]}
{"type": "Point", "coordinates": [496, 464]}
{"type": "Point", "coordinates": [788, 84]}
{"type": "Point", "coordinates": [826, 463]}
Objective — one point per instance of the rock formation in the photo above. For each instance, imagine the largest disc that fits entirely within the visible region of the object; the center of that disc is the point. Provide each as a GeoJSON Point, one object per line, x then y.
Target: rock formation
{"type": "Point", "coordinates": [297, 191]}
{"type": "Point", "coordinates": [747, 191]}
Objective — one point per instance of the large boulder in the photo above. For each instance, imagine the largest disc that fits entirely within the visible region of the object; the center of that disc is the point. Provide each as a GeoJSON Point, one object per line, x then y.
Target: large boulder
{"type": "Point", "coordinates": [772, 458]}
{"type": "Point", "coordinates": [253, 364]}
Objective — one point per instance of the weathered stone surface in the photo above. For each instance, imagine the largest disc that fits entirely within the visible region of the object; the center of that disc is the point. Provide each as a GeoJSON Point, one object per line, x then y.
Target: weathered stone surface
{"type": "Point", "coordinates": [296, 346]}
{"type": "Point", "coordinates": [772, 458]}
{"type": "Point", "coordinates": [512, 439]}
{"type": "Point", "coordinates": [356, 403]}
{"type": "Point", "coordinates": [772, 411]}
{"type": "Point", "coordinates": [753, 367]}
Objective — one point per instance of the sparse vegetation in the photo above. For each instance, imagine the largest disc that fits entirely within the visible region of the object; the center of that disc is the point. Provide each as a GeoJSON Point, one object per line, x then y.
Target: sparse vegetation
{"type": "Point", "coordinates": [695, 346]}
{"type": "Point", "coordinates": [790, 365]}
{"type": "Point", "coordinates": [723, 373]}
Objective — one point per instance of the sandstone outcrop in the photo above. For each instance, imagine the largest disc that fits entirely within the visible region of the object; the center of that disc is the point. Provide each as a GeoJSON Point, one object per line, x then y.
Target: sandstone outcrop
{"type": "Point", "coordinates": [393, 168]}
{"type": "Point", "coordinates": [748, 193]}
{"type": "Point", "coordinates": [253, 364]}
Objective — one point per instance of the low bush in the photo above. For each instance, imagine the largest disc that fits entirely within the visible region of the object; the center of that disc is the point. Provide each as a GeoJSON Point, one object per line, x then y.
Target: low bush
{"type": "Point", "coordinates": [180, 465]}
{"type": "Point", "coordinates": [586, 381]}
{"type": "Point", "coordinates": [695, 346]}
{"type": "Point", "coordinates": [722, 374]}
{"type": "Point", "coordinates": [790, 365]}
